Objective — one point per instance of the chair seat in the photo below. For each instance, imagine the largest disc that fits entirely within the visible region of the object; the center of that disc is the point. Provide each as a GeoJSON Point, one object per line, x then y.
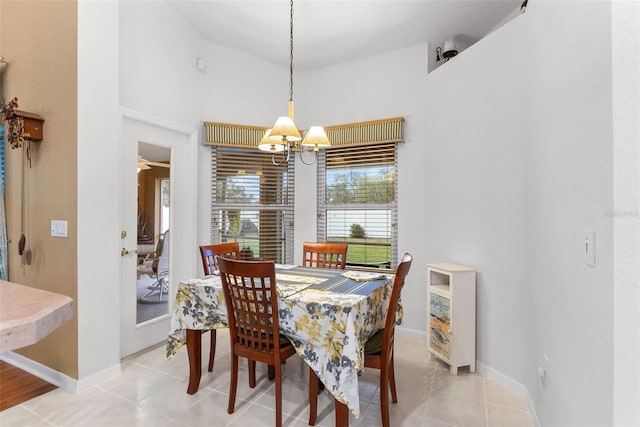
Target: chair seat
{"type": "Point", "coordinates": [374, 344]}
{"type": "Point", "coordinates": [284, 341]}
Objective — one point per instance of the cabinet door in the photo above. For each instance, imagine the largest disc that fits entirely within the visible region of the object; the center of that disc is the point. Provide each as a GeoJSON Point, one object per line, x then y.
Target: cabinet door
{"type": "Point", "coordinates": [440, 324]}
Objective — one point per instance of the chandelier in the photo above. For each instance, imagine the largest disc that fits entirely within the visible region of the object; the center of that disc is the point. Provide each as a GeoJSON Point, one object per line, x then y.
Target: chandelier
{"type": "Point", "coordinates": [284, 136]}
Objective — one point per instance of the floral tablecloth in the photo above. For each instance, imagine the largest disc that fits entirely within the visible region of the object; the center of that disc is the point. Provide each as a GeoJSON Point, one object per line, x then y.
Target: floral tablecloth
{"type": "Point", "coordinates": [327, 327]}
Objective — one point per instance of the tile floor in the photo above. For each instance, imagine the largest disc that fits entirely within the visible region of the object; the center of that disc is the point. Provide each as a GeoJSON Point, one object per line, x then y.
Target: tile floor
{"type": "Point", "coordinates": [152, 392]}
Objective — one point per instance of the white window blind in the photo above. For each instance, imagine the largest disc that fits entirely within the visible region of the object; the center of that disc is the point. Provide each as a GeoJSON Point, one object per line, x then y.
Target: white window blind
{"type": "Point", "coordinates": [252, 203]}
{"type": "Point", "coordinates": [357, 202]}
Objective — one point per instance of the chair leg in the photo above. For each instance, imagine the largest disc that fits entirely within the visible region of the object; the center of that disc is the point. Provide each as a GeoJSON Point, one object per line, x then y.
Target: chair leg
{"type": "Point", "coordinates": [313, 396]}
{"type": "Point", "coordinates": [342, 414]}
{"type": "Point", "coordinates": [278, 373]}
{"type": "Point", "coordinates": [384, 396]}
{"type": "Point", "coordinates": [252, 373]}
{"type": "Point", "coordinates": [234, 383]}
{"type": "Point", "coordinates": [271, 372]}
{"type": "Point", "coordinates": [392, 381]}
{"type": "Point", "coordinates": [212, 349]}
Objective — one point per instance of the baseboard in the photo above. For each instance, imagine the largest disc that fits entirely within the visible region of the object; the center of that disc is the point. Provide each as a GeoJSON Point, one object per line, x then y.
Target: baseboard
{"type": "Point", "coordinates": [511, 384]}
{"type": "Point", "coordinates": [59, 379]}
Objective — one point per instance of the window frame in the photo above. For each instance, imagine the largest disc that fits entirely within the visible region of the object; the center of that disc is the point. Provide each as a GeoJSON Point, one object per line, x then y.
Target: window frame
{"type": "Point", "coordinates": [285, 222]}
{"type": "Point", "coordinates": [324, 208]}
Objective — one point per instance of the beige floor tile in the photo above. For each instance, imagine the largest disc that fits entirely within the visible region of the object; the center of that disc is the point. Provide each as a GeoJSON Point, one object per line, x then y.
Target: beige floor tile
{"type": "Point", "coordinates": [152, 392]}
{"type": "Point", "coordinates": [456, 410]}
{"type": "Point", "coordinates": [20, 416]}
{"type": "Point", "coordinates": [50, 402]}
{"type": "Point", "coordinates": [211, 410]}
{"type": "Point", "coordinates": [295, 398]}
{"type": "Point", "coordinates": [103, 409]}
{"type": "Point", "coordinates": [464, 385]}
{"type": "Point", "coordinates": [500, 416]}
{"type": "Point", "coordinates": [259, 416]}
{"type": "Point", "coordinates": [500, 395]}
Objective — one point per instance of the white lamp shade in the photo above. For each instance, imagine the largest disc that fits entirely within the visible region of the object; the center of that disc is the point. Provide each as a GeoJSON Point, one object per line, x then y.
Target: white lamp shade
{"type": "Point", "coordinates": [316, 138]}
{"type": "Point", "coordinates": [270, 144]}
{"type": "Point", "coordinates": [285, 129]}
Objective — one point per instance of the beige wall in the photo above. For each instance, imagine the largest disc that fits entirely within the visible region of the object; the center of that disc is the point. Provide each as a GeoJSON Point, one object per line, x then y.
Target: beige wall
{"type": "Point", "coordinates": [39, 40]}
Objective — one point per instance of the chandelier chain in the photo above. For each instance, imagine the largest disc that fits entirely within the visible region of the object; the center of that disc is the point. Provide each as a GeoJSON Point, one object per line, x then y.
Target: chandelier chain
{"type": "Point", "coordinates": [291, 54]}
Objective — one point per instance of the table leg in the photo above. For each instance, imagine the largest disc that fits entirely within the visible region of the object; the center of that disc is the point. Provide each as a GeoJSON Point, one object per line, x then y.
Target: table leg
{"type": "Point", "coordinates": [194, 350]}
{"type": "Point", "coordinates": [342, 414]}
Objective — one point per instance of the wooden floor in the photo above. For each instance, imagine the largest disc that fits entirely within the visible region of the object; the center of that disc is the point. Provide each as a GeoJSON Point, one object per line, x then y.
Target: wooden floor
{"type": "Point", "coordinates": [18, 386]}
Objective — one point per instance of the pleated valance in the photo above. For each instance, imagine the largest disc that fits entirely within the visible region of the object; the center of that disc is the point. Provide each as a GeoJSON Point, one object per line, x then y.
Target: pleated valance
{"type": "Point", "coordinates": [361, 133]}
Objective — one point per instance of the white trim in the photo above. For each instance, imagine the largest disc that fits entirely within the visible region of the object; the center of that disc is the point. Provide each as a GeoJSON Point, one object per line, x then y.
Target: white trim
{"type": "Point", "coordinates": [192, 135]}
{"type": "Point", "coordinates": [157, 121]}
{"type": "Point", "coordinates": [188, 209]}
{"type": "Point", "coordinates": [59, 379]}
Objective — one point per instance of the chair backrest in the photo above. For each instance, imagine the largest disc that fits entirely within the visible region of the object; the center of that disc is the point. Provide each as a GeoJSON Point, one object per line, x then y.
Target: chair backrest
{"type": "Point", "coordinates": [157, 253]}
{"type": "Point", "coordinates": [252, 304]}
{"type": "Point", "coordinates": [324, 255]}
{"type": "Point", "coordinates": [208, 254]}
{"type": "Point", "coordinates": [163, 259]}
{"type": "Point", "coordinates": [398, 284]}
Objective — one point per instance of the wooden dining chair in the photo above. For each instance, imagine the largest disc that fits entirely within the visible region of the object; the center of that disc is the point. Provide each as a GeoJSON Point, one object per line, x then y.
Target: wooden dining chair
{"type": "Point", "coordinates": [324, 255]}
{"type": "Point", "coordinates": [378, 351]}
{"type": "Point", "coordinates": [208, 254]}
{"type": "Point", "coordinates": [252, 308]}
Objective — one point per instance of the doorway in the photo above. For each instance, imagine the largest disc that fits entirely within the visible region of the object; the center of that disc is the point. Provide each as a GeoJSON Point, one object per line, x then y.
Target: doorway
{"type": "Point", "coordinates": [155, 203]}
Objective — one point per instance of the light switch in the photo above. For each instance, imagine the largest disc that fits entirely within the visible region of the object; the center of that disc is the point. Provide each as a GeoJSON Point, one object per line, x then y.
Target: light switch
{"type": "Point", "coordinates": [590, 247]}
{"type": "Point", "coordinates": [58, 228]}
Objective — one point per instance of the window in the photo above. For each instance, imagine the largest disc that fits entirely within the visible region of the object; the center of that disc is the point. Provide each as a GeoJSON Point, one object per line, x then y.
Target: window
{"type": "Point", "coordinates": [357, 202]}
{"type": "Point", "coordinates": [252, 203]}
{"type": "Point", "coordinates": [164, 203]}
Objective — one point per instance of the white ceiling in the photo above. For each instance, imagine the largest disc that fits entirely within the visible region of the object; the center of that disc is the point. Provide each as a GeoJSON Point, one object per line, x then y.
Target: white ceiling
{"type": "Point", "coordinates": [329, 31]}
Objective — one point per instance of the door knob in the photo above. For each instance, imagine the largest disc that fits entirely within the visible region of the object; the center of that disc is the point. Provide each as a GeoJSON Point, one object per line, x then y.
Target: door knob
{"type": "Point", "coordinates": [125, 251]}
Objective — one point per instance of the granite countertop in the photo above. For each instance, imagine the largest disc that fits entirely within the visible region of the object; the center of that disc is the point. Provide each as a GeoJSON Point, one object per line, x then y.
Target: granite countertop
{"type": "Point", "coordinates": [28, 314]}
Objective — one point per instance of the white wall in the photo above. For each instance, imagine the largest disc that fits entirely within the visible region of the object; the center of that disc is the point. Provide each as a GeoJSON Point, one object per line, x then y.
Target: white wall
{"type": "Point", "coordinates": [98, 200]}
{"type": "Point", "coordinates": [158, 74]}
{"type": "Point", "coordinates": [476, 138]}
{"type": "Point", "coordinates": [507, 160]}
{"type": "Point", "coordinates": [626, 212]}
{"type": "Point", "coordinates": [378, 87]}
{"type": "Point", "coordinates": [570, 189]}
{"type": "Point", "coordinates": [531, 130]}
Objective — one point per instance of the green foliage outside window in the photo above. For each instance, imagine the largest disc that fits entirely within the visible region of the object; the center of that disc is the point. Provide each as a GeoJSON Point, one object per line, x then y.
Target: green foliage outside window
{"type": "Point", "coordinates": [357, 232]}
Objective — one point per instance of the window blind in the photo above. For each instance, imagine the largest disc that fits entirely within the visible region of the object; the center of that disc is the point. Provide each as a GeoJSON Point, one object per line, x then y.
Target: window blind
{"type": "Point", "coordinates": [357, 202]}
{"type": "Point", "coordinates": [252, 203]}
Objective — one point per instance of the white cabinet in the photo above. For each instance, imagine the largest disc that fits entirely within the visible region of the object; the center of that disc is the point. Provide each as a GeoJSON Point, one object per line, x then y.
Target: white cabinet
{"type": "Point", "coordinates": [451, 296]}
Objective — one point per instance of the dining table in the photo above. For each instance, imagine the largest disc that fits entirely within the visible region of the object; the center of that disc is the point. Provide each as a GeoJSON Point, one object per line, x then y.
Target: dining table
{"type": "Point", "coordinates": [327, 314]}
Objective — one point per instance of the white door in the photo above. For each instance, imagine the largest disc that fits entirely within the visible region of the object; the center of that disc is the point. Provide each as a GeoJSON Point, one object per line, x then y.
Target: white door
{"type": "Point", "coordinates": [145, 313]}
